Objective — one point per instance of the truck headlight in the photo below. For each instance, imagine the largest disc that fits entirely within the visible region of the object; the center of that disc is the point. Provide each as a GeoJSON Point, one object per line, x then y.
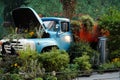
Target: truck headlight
{"type": "Point", "coordinates": [67, 38]}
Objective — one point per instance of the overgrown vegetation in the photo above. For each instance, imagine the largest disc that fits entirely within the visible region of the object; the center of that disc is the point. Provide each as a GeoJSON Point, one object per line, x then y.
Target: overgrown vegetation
{"type": "Point", "coordinates": [61, 65]}
{"type": "Point", "coordinates": [111, 22]}
{"type": "Point", "coordinates": [54, 60]}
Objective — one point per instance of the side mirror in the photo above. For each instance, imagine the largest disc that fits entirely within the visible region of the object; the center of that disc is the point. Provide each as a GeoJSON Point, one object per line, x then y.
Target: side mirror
{"type": "Point", "coordinates": [57, 27]}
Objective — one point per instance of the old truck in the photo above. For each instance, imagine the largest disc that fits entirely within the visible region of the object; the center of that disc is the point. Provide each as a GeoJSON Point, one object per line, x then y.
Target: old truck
{"type": "Point", "coordinates": [47, 32]}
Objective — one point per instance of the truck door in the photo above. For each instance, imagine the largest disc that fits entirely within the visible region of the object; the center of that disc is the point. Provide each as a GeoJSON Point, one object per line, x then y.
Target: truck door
{"type": "Point", "coordinates": [64, 37]}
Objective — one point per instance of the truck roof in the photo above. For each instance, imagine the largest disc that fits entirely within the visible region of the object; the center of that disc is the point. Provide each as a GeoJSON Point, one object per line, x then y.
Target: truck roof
{"type": "Point", "coordinates": [55, 18]}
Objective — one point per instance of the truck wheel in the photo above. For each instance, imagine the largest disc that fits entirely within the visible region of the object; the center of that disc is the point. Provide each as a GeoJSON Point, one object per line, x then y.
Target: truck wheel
{"type": "Point", "coordinates": [48, 49]}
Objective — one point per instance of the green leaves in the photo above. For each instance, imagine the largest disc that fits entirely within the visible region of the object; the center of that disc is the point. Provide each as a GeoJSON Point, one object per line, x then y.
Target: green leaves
{"type": "Point", "coordinates": [111, 22]}
{"type": "Point", "coordinates": [83, 62]}
{"type": "Point", "coordinates": [54, 60]}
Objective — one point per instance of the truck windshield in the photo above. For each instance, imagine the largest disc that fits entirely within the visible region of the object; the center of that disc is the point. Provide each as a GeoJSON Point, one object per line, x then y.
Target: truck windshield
{"type": "Point", "coordinates": [51, 25]}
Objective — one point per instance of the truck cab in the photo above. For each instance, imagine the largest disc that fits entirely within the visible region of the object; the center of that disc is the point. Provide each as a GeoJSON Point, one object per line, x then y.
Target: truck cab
{"type": "Point", "coordinates": [40, 34]}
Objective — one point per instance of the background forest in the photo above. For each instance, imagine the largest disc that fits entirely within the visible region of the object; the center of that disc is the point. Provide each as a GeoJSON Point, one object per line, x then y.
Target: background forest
{"type": "Point", "coordinates": [94, 8]}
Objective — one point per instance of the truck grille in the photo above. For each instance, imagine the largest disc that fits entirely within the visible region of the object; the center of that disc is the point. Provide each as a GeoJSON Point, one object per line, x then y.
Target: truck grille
{"type": "Point", "coordinates": [15, 44]}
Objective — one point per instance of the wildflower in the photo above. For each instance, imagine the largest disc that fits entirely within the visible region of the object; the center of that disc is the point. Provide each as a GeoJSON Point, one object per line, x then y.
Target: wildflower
{"type": "Point", "coordinates": [31, 33]}
{"type": "Point", "coordinates": [116, 60]}
{"type": "Point", "coordinates": [15, 64]}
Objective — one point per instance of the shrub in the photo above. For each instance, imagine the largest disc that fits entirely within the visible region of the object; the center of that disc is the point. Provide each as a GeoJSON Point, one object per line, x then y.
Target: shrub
{"type": "Point", "coordinates": [38, 79]}
{"type": "Point", "coordinates": [83, 62]}
{"type": "Point", "coordinates": [106, 66]}
{"type": "Point", "coordinates": [87, 21]}
{"type": "Point", "coordinates": [30, 67]}
{"type": "Point", "coordinates": [11, 77]}
{"type": "Point", "coordinates": [113, 65]}
{"type": "Point", "coordinates": [78, 48]}
{"type": "Point", "coordinates": [115, 54]}
{"type": "Point", "coordinates": [111, 22]}
{"type": "Point", "coordinates": [75, 28]}
{"type": "Point", "coordinates": [27, 54]}
{"type": "Point", "coordinates": [50, 77]}
{"type": "Point", "coordinates": [68, 73]}
{"type": "Point", "coordinates": [10, 64]}
{"type": "Point", "coordinates": [54, 60]}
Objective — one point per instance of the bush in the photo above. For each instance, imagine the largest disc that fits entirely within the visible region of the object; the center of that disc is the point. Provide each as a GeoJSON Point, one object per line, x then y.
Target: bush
{"type": "Point", "coordinates": [83, 62]}
{"type": "Point", "coordinates": [50, 77]}
{"type": "Point", "coordinates": [75, 28]}
{"type": "Point", "coordinates": [28, 54]}
{"type": "Point", "coordinates": [10, 64]}
{"type": "Point", "coordinates": [111, 22]}
{"type": "Point", "coordinates": [54, 60]}
{"type": "Point", "coordinates": [38, 79]}
{"type": "Point", "coordinates": [78, 48]}
{"type": "Point", "coordinates": [113, 65]}
{"type": "Point", "coordinates": [115, 54]}
{"type": "Point", "coordinates": [11, 77]}
{"type": "Point", "coordinates": [106, 66]}
{"type": "Point", "coordinates": [68, 73]}
{"type": "Point", "coordinates": [30, 67]}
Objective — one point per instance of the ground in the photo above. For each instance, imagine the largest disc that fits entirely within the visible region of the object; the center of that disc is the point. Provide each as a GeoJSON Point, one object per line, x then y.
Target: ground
{"type": "Point", "coordinates": [105, 76]}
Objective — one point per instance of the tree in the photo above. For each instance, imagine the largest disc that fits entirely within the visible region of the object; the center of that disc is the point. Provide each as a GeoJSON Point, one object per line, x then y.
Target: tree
{"type": "Point", "coordinates": [9, 6]}
{"type": "Point", "coordinates": [69, 7]}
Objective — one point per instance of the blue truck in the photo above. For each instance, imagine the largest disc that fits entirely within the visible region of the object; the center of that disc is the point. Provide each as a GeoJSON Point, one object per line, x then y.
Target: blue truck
{"type": "Point", "coordinates": [48, 32]}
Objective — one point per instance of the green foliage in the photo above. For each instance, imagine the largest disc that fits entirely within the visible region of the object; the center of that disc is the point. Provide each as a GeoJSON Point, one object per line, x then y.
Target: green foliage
{"type": "Point", "coordinates": [28, 54]}
{"type": "Point", "coordinates": [46, 7]}
{"type": "Point", "coordinates": [95, 8]}
{"type": "Point", "coordinates": [50, 77]}
{"type": "Point", "coordinates": [75, 28]}
{"type": "Point", "coordinates": [68, 72]}
{"type": "Point", "coordinates": [77, 49]}
{"type": "Point", "coordinates": [83, 62]}
{"type": "Point", "coordinates": [11, 77]}
{"type": "Point", "coordinates": [9, 6]}
{"type": "Point", "coordinates": [32, 69]}
{"type": "Point", "coordinates": [10, 64]}
{"type": "Point", "coordinates": [115, 54]}
{"type": "Point", "coordinates": [107, 66]}
{"type": "Point", "coordinates": [38, 79]}
{"type": "Point", "coordinates": [113, 65]}
{"type": "Point", "coordinates": [117, 64]}
{"type": "Point", "coordinates": [1, 11]}
{"type": "Point", "coordinates": [111, 21]}
{"type": "Point", "coordinates": [3, 32]}
{"type": "Point", "coordinates": [54, 60]}
{"type": "Point", "coordinates": [87, 21]}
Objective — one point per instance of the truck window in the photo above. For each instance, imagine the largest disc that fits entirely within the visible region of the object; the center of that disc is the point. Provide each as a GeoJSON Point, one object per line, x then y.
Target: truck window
{"type": "Point", "coordinates": [64, 26]}
{"type": "Point", "coordinates": [51, 25]}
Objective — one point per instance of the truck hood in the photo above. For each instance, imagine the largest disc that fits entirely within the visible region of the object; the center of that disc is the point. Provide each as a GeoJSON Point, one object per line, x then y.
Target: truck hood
{"type": "Point", "coordinates": [23, 17]}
